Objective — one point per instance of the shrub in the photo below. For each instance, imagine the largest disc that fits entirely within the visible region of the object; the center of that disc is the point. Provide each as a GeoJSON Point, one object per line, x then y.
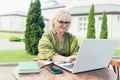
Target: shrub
{"type": "Point", "coordinates": [23, 39]}
{"type": "Point", "coordinates": [15, 38]}
{"type": "Point", "coordinates": [34, 27]}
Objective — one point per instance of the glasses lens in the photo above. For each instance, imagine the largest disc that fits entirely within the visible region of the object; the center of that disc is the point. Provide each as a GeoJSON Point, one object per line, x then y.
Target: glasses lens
{"type": "Point", "coordinates": [67, 23]}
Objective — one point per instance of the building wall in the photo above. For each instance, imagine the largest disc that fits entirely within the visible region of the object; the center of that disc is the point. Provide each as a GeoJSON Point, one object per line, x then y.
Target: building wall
{"type": "Point", "coordinates": [12, 23]}
{"type": "Point", "coordinates": [115, 25]}
{"type": "Point", "coordinates": [80, 22]}
{"type": "Point", "coordinates": [19, 23]}
{"type": "Point", "coordinates": [79, 25]}
{"type": "Point", "coordinates": [49, 13]}
{"type": "Point", "coordinates": [15, 23]}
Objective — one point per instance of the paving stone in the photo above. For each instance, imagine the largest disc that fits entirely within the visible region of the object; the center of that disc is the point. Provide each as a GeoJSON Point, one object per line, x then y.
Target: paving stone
{"type": "Point", "coordinates": [6, 44]}
{"type": "Point", "coordinates": [6, 72]}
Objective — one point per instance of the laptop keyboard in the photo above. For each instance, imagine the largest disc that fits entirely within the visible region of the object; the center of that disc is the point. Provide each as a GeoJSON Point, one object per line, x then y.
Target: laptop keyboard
{"type": "Point", "coordinates": [69, 66]}
{"type": "Point", "coordinates": [65, 65]}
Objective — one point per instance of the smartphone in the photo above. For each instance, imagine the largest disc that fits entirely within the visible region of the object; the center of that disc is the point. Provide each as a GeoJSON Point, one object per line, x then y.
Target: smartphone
{"type": "Point", "coordinates": [54, 70]}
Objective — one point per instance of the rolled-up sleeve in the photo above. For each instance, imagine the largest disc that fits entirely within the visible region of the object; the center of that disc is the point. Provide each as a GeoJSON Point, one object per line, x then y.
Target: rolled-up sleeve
{"type": "Point", "coordinates": [74, 46]}
{"type": "Point", "coordinates": [46, 48]}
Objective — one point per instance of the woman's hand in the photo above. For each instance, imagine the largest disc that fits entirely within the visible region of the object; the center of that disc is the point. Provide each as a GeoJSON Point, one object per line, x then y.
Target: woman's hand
{"type": "Point", "coordinates": [70, 58]}
{"type": "Point", "coordinates": [60, 58]}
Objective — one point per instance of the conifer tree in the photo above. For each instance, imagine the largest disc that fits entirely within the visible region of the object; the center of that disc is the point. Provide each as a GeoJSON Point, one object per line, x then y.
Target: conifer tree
{"type": "Point", "coordinates": [34, 27]}
{"type": "Point", "coordinates": [91, 23]}
{"type": "Point", "coordinates": [104, 30]}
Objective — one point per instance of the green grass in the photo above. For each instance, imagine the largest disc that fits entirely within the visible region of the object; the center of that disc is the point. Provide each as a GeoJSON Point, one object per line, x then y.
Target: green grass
{"type": "Point", "coordinates": [117, 53]}
{"type": "Point", "coordinates": [21, 55]}
{"type": "Point", "coordinates": [15, 56]}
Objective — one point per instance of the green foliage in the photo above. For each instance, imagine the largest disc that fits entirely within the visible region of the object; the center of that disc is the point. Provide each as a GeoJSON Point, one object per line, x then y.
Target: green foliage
{"type": "Point", "coordinates": [15, 38]}
{"type": "Point", "coordinates": [34, 27]}
{"type": "Point", "coordinates": [91, 24]}
{"type": "Point", "coordinates": [15, 56]}
{"type": "Point", "coordinates": [104, 30]}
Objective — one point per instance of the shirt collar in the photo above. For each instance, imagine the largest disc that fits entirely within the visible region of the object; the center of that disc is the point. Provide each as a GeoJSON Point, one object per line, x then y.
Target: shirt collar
{"type": "Point", "coordinates": [54, 32]}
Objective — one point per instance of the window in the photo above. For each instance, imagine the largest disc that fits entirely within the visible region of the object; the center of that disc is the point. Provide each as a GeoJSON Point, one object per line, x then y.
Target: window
{"type": "Point", "coordinates": [84, 28]}
{"type": "Point", "coordinates": [84, 24]}
{"type": "Point", "coordinates": [80, 24]}
{"type": "Point", "coordinates": [84, 18]}
{"type": "Point", "coordinates": [80, 19]}
{"type": "Point", "coordinates": [0, 25]}
{"type": "Point", "coordinates": [118, 18]}
{"type": "Point", "coordinates": [100, 18]}
{"type": "Point", "coordinates": [80, 28]}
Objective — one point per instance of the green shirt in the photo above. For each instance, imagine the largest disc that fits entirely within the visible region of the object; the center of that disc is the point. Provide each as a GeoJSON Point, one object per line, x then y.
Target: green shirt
{"type": "Point", "coordinates": [49, 45]}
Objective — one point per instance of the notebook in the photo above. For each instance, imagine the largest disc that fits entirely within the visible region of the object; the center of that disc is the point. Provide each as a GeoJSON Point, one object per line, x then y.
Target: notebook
{"type": "Point", "coordinates": [93, 54]}
{"type": "Point", "coordinates": [28, 67]}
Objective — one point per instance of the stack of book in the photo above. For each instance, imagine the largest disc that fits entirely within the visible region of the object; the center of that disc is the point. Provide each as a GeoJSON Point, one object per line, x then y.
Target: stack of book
{"type": "Point", "coordinates": [28, 67]}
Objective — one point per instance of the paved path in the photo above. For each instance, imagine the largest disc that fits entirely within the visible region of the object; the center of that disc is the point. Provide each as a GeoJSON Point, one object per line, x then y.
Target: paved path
{"type": "Point", "coordinates": [6, 44]}
{"type": "Point", "coordinates": [6, 72]}
{"type": "Point", "coordinates": [6, 69]}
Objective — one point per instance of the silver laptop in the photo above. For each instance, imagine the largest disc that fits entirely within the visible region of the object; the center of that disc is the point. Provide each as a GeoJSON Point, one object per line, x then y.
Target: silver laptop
{"type": "Point", "coordinates": [93, 54]}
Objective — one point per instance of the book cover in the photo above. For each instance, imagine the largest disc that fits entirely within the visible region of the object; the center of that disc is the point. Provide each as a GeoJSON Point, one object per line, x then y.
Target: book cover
{"type": "Point", "coordinates": [29, 67]}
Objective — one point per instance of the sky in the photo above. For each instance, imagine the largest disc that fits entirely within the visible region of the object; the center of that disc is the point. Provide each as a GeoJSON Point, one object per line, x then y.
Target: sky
{"type": "Point", "coordinates": [23, 5]}
{"type": "Point", "coordinates": [14, 5]}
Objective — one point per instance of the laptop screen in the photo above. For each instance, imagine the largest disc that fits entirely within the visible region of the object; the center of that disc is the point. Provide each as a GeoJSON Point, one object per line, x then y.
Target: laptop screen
{"type": "Point", "coordinates": [93, 54]}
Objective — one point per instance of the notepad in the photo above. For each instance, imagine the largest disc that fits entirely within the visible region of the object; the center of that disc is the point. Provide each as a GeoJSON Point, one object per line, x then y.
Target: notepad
{"type": "Point", "coordinates": [28, 67]}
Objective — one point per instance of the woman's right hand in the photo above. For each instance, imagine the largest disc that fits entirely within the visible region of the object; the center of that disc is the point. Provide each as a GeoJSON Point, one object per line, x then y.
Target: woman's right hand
{"type": "Point", "coordinates": [60, 58]}
{"type": "Point", "coordinates": [70, 58]}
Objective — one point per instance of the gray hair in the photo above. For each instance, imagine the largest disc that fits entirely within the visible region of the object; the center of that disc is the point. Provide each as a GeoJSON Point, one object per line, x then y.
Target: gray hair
{"type": "Point", "coordinates": [61, 13]}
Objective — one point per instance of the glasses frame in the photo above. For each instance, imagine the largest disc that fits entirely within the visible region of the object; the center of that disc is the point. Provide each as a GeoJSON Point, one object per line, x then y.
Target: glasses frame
{"type": "Point", "coordinates": [66, 23]}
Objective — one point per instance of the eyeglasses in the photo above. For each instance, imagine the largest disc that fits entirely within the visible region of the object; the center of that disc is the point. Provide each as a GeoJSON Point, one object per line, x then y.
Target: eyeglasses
{"type": "Point", "coordinates": [62, 23]}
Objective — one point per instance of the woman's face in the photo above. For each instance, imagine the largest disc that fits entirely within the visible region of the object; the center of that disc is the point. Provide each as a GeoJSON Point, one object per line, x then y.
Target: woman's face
{"type": "Point", "coordinates": [62, 24]}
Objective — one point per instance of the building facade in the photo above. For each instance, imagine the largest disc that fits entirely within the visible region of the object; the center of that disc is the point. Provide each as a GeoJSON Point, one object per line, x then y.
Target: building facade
{"type": "Point", "coordinates": [80, 18]}
{"type": "Point", "coordinates": [14, 21]}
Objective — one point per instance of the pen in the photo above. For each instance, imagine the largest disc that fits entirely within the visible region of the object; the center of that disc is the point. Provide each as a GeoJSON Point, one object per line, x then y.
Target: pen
{"type": "Point", "coordinates": [46, 65]}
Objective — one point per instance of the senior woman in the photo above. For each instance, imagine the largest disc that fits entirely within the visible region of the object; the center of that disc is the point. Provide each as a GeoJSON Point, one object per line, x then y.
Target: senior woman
{"type": "Point", "coordinates": [58, 44]}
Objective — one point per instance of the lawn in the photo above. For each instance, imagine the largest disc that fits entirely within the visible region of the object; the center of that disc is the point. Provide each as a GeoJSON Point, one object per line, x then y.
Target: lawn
{"type": "Point", "coordinates": [15, 56]}
{"type": "Point", "coordinates": [21, 55]}
{"type": "Point", "coordinates": [117, 53]}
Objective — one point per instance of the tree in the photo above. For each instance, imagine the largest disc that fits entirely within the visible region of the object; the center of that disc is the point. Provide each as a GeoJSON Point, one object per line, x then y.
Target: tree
{"type": "Point", "coordinates": [34, 27]}
{"type": "Point", "coordinates": [91, 24]}
{"type": "Point", "coordinates": [104, 30]}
